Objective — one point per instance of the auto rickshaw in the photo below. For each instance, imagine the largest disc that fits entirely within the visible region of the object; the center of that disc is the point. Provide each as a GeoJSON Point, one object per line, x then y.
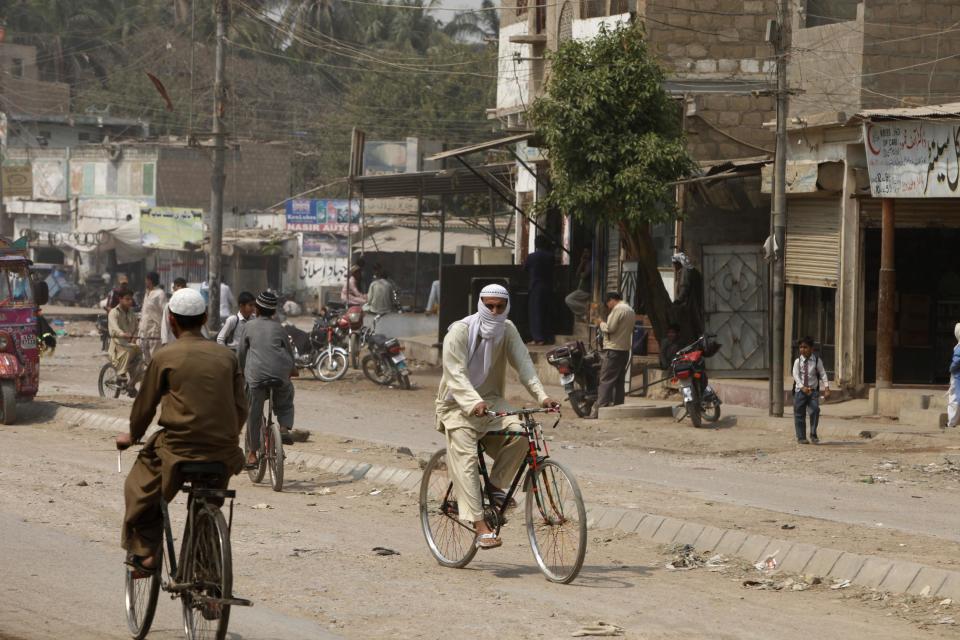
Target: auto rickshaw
{"type": "Point", "coordinates": [20, 296]}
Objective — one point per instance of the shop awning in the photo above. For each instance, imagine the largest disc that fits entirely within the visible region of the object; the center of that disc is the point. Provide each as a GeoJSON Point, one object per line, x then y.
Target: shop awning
{"type": "Point", "coordinates": [481, 146]}
{"type": "Point", "coordinates": [431, 183]}
{"type": "Point", "coordinates": [399, 240]}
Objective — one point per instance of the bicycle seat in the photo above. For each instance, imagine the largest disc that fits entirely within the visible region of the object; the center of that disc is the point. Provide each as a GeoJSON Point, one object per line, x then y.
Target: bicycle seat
{"type": "Point", "coordinates": [202, 468]}
{"type": "Point", "coordinates": [271, 383]}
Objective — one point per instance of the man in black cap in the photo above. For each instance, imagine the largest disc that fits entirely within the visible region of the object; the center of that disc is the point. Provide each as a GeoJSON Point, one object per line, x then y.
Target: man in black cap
{"type": "Point", "coordinates": [267, 361]}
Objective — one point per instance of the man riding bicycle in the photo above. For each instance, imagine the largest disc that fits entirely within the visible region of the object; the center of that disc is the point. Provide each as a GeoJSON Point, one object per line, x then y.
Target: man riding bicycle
{"type": "Point", "coordinates": [123, 352]}
{"type": "Point", "coordinates": [267, 361]}
{"type": "Point", "coordinates": [476, 351]}
{"type": "Point", "coordinates": [200, 390]}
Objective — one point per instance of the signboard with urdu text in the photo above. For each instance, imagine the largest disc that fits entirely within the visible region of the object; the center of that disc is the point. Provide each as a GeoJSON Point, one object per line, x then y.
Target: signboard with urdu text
{"type": "Point", "coordinates": [913, 158]}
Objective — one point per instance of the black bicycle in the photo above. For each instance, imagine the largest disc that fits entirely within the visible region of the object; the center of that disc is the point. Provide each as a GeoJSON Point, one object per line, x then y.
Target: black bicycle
{"type": "Point", "coordinates": [270, 452]}
{"type": "Point", "coordinates": [555, 515]}
{"type": "Point", "coordinates": [203, 577]}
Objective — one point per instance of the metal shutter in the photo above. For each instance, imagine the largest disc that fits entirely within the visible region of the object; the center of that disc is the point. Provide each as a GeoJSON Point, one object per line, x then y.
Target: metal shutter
{"type": "Point", "coordinates": [813, 241]}
{"type": "Point", "coordinates": [613, 259]}
{"type": "Point", "coordinates": [913, 213]}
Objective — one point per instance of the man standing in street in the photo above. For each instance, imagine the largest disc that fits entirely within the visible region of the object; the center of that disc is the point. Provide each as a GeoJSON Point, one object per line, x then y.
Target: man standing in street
{"type": "Point", "coordinates": [380, 294]}
{"type": "Point", "coordinates": [151, 316]}
{"type": "Point", "coordinates": [266, 358]}
{"type": "Point", "coordinates": [617, 339]}
{"type": "Point", "coordinates": [476, 351]}
{"type": "Point", "coordinates": [166, 329]}
{"type": "Point", "coordinates": [809, 378]}
{"type": "Point", "coordinates": [226, 302]}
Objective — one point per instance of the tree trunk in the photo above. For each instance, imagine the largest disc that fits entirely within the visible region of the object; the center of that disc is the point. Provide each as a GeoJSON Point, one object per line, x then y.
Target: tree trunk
{"type": "Point", "coordinates": [652, 292]}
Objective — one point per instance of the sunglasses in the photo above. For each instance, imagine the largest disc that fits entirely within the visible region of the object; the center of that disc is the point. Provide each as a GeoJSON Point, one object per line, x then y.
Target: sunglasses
{"type": "Point", "coordinates": [493, 306]}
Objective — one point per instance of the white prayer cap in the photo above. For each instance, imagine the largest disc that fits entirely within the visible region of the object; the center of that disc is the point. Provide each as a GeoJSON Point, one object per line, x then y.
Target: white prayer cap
{"type": "Point", "coordinates": [187, 302]}
{"type": "Point", "coordinates": [494, 291]}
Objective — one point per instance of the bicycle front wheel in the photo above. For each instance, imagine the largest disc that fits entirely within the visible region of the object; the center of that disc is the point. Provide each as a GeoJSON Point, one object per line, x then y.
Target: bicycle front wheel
{"type": "Point", "coordinates": [275, 457]}
{"type": "Point", "coordinates": [450, 541]}
{"type": "Point", "coordinates": [141, 599]}
{"type": "Point", "coordinates": [556, 522]}
{"type": "Point", "coordinates": [208, 566]}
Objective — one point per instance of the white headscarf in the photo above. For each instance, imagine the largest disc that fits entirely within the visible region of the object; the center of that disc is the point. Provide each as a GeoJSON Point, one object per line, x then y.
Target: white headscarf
{"type": "Point", "coordinates": [956, 332]}
{"type": "Point", "coordinates": [484, 332]}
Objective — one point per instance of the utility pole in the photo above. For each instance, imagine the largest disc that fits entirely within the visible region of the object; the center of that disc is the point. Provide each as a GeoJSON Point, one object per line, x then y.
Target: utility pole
{"type": "Point", "coordinates": [218, 178]}
{"type": "Point", "coordinates": [778, 213]}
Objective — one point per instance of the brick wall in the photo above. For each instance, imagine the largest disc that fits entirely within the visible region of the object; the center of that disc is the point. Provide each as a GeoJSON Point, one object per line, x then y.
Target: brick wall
{"type": "Point", "coordinates": [891, 41]}
{"type": "Point", "coordinates": [258, 176]}
{"type": "Point", "coordinates": [725, 127]}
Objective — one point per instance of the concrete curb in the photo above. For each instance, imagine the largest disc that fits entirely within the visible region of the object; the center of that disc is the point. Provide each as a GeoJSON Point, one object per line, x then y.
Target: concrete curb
{"type": "Point", "coordinates": [628, 411]}
{"type": "Point", "coordinates": [872, 572]}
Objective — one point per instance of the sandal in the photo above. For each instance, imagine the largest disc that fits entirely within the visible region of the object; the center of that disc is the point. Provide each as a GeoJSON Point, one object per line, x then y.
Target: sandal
{"type": "Point", "coordinates": [487, 541]}
{"type": "Point", "coordinates": [247, 465]}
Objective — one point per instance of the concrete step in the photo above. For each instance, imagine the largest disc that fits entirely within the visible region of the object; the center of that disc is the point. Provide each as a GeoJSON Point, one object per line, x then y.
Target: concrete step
{"type": "Point", "coordinates": [892, 401]}
{"type": "Point", "coordinates": [422, 348]}
{"type": "Point", "coordinates": [932, 418]}
{"type": "Point", "coordinates": [630, 411]}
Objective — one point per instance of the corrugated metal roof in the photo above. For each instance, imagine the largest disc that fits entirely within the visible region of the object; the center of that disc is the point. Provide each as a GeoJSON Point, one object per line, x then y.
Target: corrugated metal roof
{"type": "Point", "coordinates": [398, 239]}
{"type": "Point", "coordinates": [949, 110]}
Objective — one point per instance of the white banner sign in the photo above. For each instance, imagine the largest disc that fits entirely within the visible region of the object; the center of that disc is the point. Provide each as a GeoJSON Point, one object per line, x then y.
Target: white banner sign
{"type": "Point", "coordinates": [913, 158]}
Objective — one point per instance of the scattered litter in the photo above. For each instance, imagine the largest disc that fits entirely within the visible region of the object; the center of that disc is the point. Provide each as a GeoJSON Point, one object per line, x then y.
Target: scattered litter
{"type": "Point", "coordinates": [652, 451]}
{"type": "Point", "coordinates": [889, 465]}
{"type": "Point", "coordinates": [83, 483]}
{"type": "Point", "coordinates": [354, 450]}
{"type": "Point", "coordinates": [405, 451]}
{"type": "Point", "coordinates": [840, 584]}
{"type": "Point", "coordinates": [262, 505]}
{"type": "Point", "coordinates": [948, 466]}
{"type": "Point", "coordinates": [790, 584]}
{"type": "Point", "coordinates": [866, 435]}
{"type": "Point", "coordinates": [788, 527]}
{"type": "Point", "coordinates": [769, 563]}
{"type": "Point", "coordinates": [567, 446]}
{"type": "Point", "coordinates": [383, 551]}
{"type": "Point", "coordinates": [685, 557]}
{"type": "Point", "coordinates": [598, 629]}
{"type": "Point", "coordinates": [945, 603]}
{"type": "Point", "coordinates": [946, 620]}
{"type": "Point", "coordinates": [300, 552]}
{"type": "Point", "coordinates": [376, 492]}
{"type": "Point", "coordinates": [322, 491]}
{"type": "Point", "coordinates": [926, 591]}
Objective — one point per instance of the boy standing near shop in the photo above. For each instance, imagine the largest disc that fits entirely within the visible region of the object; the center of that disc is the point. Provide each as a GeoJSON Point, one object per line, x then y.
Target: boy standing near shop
{"type": "Point", "coordinates": [809, 379]}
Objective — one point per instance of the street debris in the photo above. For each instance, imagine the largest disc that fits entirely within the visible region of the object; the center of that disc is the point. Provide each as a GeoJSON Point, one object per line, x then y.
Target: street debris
{"type": "Point", "coordinates": [840, 584]}
{"type": "Point", "coordinates": [262, 505]}
{"type": "Point", "coordinates": [376, 492]}
{"type": "Point", "coordinates": [872, 479]}
{"type": "Point", "coordinates": [405, 451]}
{"type": "Point", "coordinates": [297, 553]}
{"type": "Point", "coordinates": [685, 557]}
{"type": "Point", "coordinates": [867, 435]}
{"type": "Point", "coordinates": [888, 465]}
{"type": "Point", "coordinates": [788, 584]}
{"type": "Point", "coordinates": [769, 563]}
{"type": "Point", "coordinates": [788, 527]}
{"type": "Point", "coordinates": [384, 551]}
{"type": "Point", "coordinates": [947, 467]}
{"type": "Point", "coordinates": [598, 629]}
{"type": "Point", "coordinates": [83, 483]}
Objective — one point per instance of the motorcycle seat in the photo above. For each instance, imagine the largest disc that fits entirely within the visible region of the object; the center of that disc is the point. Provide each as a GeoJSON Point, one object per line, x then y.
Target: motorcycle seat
{"type": "Point", "coordinates": [379, 339]}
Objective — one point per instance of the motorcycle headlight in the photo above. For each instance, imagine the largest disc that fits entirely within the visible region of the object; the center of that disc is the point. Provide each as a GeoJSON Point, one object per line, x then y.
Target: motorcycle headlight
{"type": "Point", "coordinates": [4, 341]}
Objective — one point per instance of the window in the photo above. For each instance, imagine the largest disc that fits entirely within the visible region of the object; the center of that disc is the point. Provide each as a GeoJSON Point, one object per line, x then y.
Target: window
{"type": "Point", "coordinates": [593, 8]}
{"type": "Point", "coordinates": [822, 12]}
{"type": "Point", "coordinates": [16, 67]}
{"type": "Point", "coordinates": [540, 16]}
{"type": "Point", "coordinates": [521, 7]}
{"type": "Point", "coordinates": [618, 7]}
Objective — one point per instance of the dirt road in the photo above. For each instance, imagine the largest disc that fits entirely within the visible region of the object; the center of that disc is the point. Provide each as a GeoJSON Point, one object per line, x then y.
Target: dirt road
{"type": "Point", "coordinates": [305, 557]}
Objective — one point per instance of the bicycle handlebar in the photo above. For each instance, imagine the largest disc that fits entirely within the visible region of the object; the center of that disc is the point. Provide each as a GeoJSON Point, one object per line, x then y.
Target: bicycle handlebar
{"type": "Point", "coordinates": [521, 412]}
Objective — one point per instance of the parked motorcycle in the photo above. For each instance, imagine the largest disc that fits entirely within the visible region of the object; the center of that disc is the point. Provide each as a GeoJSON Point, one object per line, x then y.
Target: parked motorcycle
{"type": "Point", "coordinates": [579, 374]}
{"type": "Point", "coordinates": [386, 362]}
{"type": "Point", "coordinates": [689, 368]}
{"type": "Point", "coordinates": [319, 351]}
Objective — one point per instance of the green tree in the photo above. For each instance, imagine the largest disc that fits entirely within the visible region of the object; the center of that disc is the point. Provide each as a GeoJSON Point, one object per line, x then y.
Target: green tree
{"type": "Point", "coordinates": [615, 146]}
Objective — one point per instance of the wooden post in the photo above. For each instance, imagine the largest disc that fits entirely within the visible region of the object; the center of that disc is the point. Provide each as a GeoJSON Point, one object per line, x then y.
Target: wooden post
{"type": "Point", "coordinates": [887, 298]}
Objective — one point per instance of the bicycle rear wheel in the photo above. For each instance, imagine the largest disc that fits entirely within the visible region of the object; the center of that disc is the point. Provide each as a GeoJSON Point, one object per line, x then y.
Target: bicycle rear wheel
{"type": "Point", "coordinates": [141, 600]}
{"type": "Point", "coordinates": [450, 541]}
{"type": "Point", "coordinates": [556, 522]}
{"type": "Point", "coordinates": [273, 446]}
{"type": "Point", "coordinates": [208, 566]}
{"type": "Point", "coordinates": [256, 474]}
